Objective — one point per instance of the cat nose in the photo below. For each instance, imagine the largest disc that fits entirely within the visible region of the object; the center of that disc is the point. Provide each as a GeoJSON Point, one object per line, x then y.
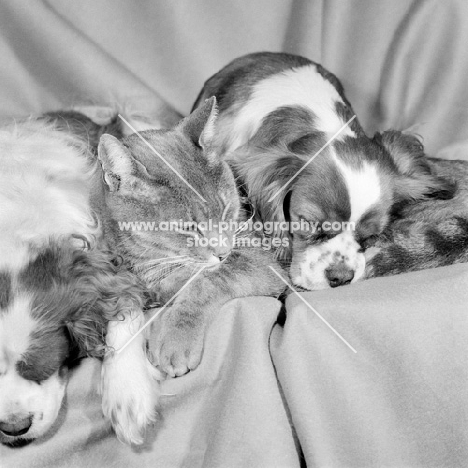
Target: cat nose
{"type": "Point", "coordinates": [16, 427]}
{"type": "Point", "coordinates": [339, 275]}
{"type": "Point", "coordinates": [222, 255]}
{"type": "Point", "coordinates": [222, 250]}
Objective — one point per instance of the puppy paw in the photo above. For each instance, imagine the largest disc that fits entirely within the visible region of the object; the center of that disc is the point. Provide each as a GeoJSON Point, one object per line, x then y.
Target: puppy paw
{"type": "Point", "coordinates": [129, 395]}
{"type": "Point", "coordinates": [177, 350]}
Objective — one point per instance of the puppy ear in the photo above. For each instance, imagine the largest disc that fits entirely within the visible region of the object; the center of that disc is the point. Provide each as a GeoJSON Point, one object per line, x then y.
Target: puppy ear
{"type": "Point", "coordinates": [87, 331]}
{"type": "Point", "coordinates": [416, 180]}
{"type": "Point", "coordinates": [199, 126]}
{"type": "Point", "coordinates": [105, 291]}
{"type": "Point", "coordinates": [118, 165]}
{"type": "Point", "coordinates": [269, 185]}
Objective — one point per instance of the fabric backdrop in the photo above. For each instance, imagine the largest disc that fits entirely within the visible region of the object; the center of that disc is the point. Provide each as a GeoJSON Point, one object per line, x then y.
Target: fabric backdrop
{"type": "Point", "coordinates": [403, 62]}
{"type": "Point", "coordinates": [401, 400]}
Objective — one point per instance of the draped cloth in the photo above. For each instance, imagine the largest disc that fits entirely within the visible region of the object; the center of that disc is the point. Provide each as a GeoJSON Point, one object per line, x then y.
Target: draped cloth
{"type": "Point", "coordinates": [266, 395]}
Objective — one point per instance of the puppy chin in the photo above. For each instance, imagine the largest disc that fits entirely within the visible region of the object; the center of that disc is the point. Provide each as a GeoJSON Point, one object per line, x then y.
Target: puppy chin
{"type": "Point", "coordinates": [44, 405]}
{"type": "Point", "coordinates": [313, 277]}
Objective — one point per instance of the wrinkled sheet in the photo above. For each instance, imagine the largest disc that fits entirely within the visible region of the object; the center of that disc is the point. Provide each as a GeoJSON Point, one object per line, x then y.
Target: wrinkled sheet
{"type": "Point", "coordinates": [401, 400]}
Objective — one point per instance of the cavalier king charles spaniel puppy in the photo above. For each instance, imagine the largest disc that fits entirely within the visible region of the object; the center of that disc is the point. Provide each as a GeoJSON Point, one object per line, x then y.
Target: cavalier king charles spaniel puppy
{"type": "Point", "coordinates": [60, 287]}
{"type": "Point", "coordinates": [306, 165]}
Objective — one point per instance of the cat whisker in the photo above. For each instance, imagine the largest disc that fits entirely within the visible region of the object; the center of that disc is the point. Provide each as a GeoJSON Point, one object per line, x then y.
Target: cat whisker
{"type": "Point", "coordinates": [145, 251]}
{"type": "Point", "coordinates": [165, 265]}
{"type": "Point", "coordinates": [165, 261]}
{"type": "Point", "coordinates": [168, 258]}
{"type": "Point", "coordinates": [158, 276]}
{"type": "Point", "coordinates": [161, 270]}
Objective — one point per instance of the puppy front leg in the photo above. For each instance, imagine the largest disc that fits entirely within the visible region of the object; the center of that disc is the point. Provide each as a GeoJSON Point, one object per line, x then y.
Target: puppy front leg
{"type": "Point", "coordinates": [129, 389]}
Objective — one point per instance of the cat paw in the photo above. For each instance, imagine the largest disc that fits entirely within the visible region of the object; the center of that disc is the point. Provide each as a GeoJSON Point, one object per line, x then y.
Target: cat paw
{"type": "Point", "coordinates": [177, 351]}
{"type": "Point", "coordinates": [129, 396]}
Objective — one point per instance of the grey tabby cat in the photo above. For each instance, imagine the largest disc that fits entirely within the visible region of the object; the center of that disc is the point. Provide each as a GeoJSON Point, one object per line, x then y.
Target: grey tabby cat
{"type": "Point", "coordinates": [142, 187]}
{"type": "Point", "coordinates": [426, 234]}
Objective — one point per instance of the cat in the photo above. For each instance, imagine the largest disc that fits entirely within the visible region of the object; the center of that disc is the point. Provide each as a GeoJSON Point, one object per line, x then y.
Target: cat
{"type": "Point", "coordinates": [425, 234]}
{"type": "Point", "coordinates": [161, 176]}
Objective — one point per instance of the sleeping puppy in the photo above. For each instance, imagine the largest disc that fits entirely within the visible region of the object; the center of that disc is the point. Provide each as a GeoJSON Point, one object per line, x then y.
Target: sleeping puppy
{"type": "Point", "coordinates": [426, 234]}
{"type": "Point", "coordinates": [287, 130]}
{"type": "Point", "coordinates": [58, 285]}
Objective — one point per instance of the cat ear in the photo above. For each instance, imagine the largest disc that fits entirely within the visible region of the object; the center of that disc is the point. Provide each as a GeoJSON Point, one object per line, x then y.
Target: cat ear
{"type": "Point", "coordinates": [116, 161]}
{"type": "Point", "coordinates": [199, 126]}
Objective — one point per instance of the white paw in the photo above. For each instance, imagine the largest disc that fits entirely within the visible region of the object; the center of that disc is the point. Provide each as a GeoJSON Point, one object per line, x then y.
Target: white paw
{"type": "Point", "coordinates": [129, 394]}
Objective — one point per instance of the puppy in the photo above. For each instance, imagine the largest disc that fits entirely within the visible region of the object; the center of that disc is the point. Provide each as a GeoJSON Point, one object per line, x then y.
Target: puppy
{"type": "Point", "coordinates": [292, 139]}
{"type": "Point", "coordinates": [58, 285]}
{"type": "Point", "coordinates": [426, 234]}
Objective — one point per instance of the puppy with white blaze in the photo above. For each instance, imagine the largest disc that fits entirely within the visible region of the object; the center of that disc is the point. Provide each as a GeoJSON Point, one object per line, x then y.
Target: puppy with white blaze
{"type": "Point", "coordinates": [59, 287]}
{"type": "Point", "coordinates": [292, 139]}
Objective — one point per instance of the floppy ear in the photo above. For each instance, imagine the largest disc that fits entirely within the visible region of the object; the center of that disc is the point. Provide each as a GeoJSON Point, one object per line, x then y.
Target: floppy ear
{"type": "Point", "coordinates": [199, 126]}
{"type": "Point", "coordinates": [118, 165]}
{"type": "Point", "coordinates": [269, 184]}
{"type": "Point", "coordinates": [416, 181]}
{"type": "Point", "coordinates": [105, 290]}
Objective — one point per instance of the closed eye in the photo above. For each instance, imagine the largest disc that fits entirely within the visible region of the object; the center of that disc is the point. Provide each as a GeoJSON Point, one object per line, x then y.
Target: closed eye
{"type": "Point", "coordinates": [37, 372]}
{"type": "Point", "coordinates": [367, 242]}
{"type": "Point", "coordinates": [306, 228]}
{"type": "Point", "coordinates": [189, 228]}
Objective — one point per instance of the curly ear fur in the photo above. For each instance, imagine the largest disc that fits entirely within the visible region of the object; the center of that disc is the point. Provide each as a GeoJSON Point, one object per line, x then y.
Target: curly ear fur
{"type": "Point", "coordinates": [103, 291]}
{"type": "Point", "coordinates": [416, 181]}
{"type": "Point", "coordinates": [265, 176]}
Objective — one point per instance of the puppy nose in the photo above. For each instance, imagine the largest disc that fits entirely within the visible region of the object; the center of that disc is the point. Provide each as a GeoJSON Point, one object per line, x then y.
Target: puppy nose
{"type": "Point", "coordinates": [339, 275]}
{"type": "Point", "coordinates": [16, 427]}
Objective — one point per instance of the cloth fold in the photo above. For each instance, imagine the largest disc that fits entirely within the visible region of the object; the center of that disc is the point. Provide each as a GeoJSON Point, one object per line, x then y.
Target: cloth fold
{"type": "Point", "coordinates": [229, 413]}
{"type": "Point", "coordinates": [400, 401]}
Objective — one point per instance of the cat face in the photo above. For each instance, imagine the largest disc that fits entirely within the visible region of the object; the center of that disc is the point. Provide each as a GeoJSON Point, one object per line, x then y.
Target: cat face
{"type": "Point", "coordinates": [170, 197]}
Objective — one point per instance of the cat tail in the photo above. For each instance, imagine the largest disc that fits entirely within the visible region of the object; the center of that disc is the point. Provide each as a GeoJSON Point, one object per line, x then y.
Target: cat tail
{"type": "Point", "coordinates": [412, 245]}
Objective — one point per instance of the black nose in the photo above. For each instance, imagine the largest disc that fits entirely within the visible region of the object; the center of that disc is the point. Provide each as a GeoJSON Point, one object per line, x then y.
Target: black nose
{"type": "Point", "coordinates": [222, 254]}
{"type": "Point", "coordinates": [16, 427]}
{"type": "Point", "coordinates": [339, 275]}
